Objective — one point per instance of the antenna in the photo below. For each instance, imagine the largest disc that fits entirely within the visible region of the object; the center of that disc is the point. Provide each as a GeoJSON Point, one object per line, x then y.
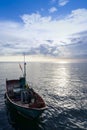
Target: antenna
{"type": "Point", "coordinates": [24, 69]}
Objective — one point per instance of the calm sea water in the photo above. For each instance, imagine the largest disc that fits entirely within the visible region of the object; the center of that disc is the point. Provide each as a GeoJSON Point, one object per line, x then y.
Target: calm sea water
{"type": "Point", "coordinates": [64, 89]}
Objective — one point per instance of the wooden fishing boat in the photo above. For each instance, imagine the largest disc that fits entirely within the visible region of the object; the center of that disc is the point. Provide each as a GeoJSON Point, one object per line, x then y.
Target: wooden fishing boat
{"type": "Point", "coordinates": [24, 99]}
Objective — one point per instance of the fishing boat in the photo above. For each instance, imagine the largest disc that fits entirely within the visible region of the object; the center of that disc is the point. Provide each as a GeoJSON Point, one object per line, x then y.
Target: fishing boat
{"type": "Point", "coordinates": [21, 97]}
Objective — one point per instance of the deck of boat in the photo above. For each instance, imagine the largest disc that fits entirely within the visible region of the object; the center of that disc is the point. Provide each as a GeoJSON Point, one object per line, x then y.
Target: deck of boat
{"type": "Point", "coordinates": [19, 103]}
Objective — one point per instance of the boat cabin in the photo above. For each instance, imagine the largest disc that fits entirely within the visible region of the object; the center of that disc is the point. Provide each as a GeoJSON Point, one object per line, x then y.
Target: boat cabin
{"type": "Point", "coordinates": [17, 90]}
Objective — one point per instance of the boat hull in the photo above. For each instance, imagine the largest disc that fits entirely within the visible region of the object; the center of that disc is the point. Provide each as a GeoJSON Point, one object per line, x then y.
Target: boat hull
{"type": "Point", "coordinates": [26, 112]}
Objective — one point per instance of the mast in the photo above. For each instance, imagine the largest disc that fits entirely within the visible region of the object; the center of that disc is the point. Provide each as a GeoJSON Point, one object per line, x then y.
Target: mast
{"type": "Point", "coordinates": [24, 69]}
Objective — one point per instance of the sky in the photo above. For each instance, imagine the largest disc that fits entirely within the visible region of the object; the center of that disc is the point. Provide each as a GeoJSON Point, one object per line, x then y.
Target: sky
{"type": "Point", "coordinates": [47, 28]}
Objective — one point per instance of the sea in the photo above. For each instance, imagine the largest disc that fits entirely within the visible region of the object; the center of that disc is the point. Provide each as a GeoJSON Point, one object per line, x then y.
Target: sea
{"type": "Point", "coordinates": [63, 87]}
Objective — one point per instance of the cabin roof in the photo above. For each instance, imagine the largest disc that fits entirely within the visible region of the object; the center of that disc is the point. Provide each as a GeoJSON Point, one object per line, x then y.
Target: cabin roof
{"type": "Point", "coordinates": [12, 81]}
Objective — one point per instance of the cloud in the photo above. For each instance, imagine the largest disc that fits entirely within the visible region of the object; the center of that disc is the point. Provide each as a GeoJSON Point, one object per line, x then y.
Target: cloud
{"type": "Point", "coordinates": [45, 35]}
{"type": "Point", "coordinates": [52, 10]}
{"type": "Point", "coordinates": [45, 49]}
{"type": "Point", "coordinates": [77, 48]}
{"type": "Point", "coordinates": [63, 2]}
{"type": "Point", "coordinates": [49, 28]}
{"type": "Point", "coordinates": [34, 18]}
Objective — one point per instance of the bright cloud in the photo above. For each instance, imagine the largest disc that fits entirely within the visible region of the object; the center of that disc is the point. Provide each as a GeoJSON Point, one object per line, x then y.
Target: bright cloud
{"type": "Point", "coordinates": [52, 10]}
{"type": "Point", "coordinates": [63, 2]}
{"type": "Point", "coordinates": [53, 29]}
{"type": "Point", "coordinates": [34, 19]}
{"type": "Point", "coordinates": [42, 35]}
